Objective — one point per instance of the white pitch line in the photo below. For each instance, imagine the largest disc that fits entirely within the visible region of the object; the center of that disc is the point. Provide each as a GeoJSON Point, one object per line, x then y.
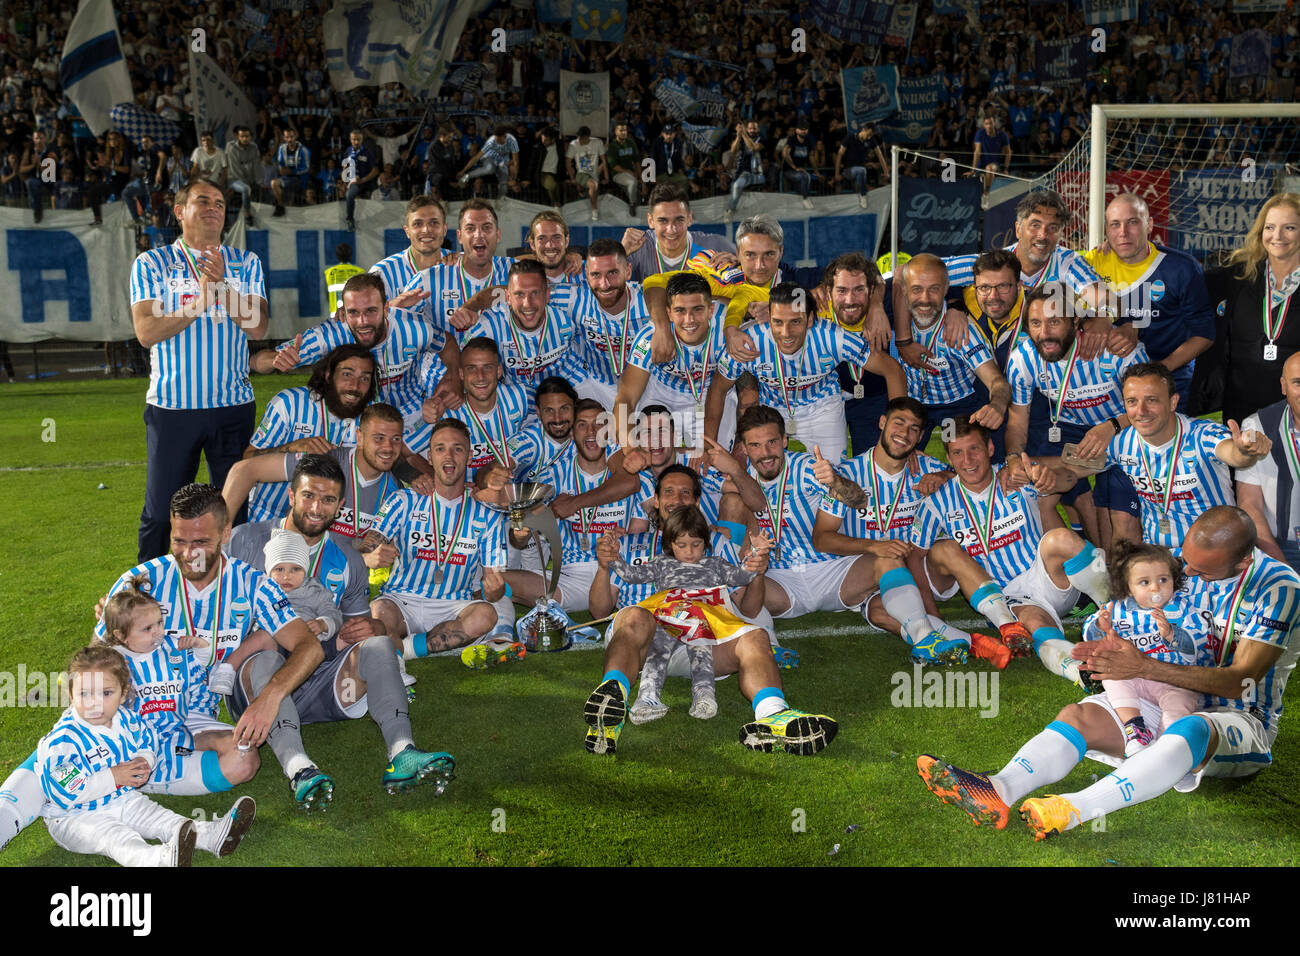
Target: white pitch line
{"type": "Point", "coordinates": [73, 467]}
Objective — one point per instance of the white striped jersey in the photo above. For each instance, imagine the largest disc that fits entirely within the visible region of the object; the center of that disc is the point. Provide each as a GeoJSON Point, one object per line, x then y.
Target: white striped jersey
{"type": "Point", "coordinates": [449, 287]}
{"type": "Point", "coordinates": [579, 533]}
{"type": "Point", "coordinates": [398, 272]}
{"type": "Point", "coordinates": [249, 600]}
{"type": "Point", "coordinates": [564, 291]}
{"type": "Point", "coordinates": [799, 381]}
{"type": "Point", "coordinates": [299, 162]}
{"type": "Point", "coordinates": [205, 364]}
{"type": "Point", "coordinates": [798, 510]}
{"type": "Point", "coordinates": [461, 538]}
{"type": "Point", "coordinates": [527, 357]}
{"type": "Point", "coordinates": [492, 430]}
{"type": "Point", "coordinates": [362, 499]}
{"type": "Point", "coordinates": [72, 754]}
{"type": "Point", "coordinates": [1268, 613]}
{"type": "Point", "coordinates": [1092, 395]}
{"type": "Point", "coordinates": [1017, 526]}
{"type": "Point", "coordinates": [949, 374]}
{"type": "Point", "coordinates": [1065, 265]}
{"type": "Point", "coordinates": [534, 453]}
{"type": "Point", "coordinates": [167, 681]}
{"type": "Point", "coordinates": [602, 340]}
{"type": "Point", "coordinates": [683, 374]}
{"type": "Point", "coordinates": [339, 567]}
{"type": "Point", "coordinates": [1187, 645]}
{"type": "Point", "coordinates": [1200, 482]}
{"type": "Point", "coordinates": [899, 498]}
{"type": "Point", "coordinates": [291, 414]}
{"type": "Point", "coordinates": [397, 358]}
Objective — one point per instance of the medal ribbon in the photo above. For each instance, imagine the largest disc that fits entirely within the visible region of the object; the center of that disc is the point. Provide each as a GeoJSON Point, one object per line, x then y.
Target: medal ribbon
{"type": "Point", "coordinates": [538, 469]}
{"type": "Point", "coordinates": [877, 497]}
{"type": "Point", "coordinates": [356, 496]}
{"type": "Point", "coordinates": [192, 261]}
{"type": "Point", "coordinates": [1292, 447]}
{"type": "Point", "coordinates": [616, 365]}
{"type": "Point", "coordinates": [541, 339]}
{"type": "Point", "coordinates": [704, 367]}
{"type": "Point", "coordinates": [780, 371]}
{"type": "Point", "coordinates": [325, 416]}
{"type": "Point", "coordinates": [778, 513]}
{"type": "Point", "coordinates": [188, 612]}
{"type": "Point", "coordinates": [986, 535]}
{"type": "Point", "coordinates": [1064, 385]}
{"type": "Point", "coordinates": [1272, 326]}
{"type": "Point", "coordinates": [659, 259]}
{"type": "Point", "coordinates": [441, 558]}
{"type": "Point", "coordinates": [1234, 606]}
{"type": "Point", "coordinates": [500, 456]}
{"type": "Point", "coordinates": [586, 516]}
{"type": "Point", "coordinates": [319, 549]}
{"type": "Point", "coordinates": [1173, 465]}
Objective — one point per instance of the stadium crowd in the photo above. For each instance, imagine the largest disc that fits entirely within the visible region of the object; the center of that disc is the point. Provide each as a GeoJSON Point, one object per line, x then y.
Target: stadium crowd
{"type": "Point", "coordinates": [1176, 52]}
{"type": "Point", "coordinates": [725, 447]}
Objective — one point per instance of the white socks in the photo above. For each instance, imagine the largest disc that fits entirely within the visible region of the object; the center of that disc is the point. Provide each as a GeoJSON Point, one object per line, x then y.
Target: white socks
{"type": "Point", "coordinates": [1043, 760]}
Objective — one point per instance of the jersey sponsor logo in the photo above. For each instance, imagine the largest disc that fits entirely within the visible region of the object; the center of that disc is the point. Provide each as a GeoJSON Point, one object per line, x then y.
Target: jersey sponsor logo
{"type": "Point", "coordinates": [281, 605]}
{"type": "Point", "coordinates": [68, 775]}
{"type": "Point", "coordinates": [299, 428]}
{"type": "Point", "coordinates": [1274, 623]}
{"type": "Point", "coordinates": [157, 706]}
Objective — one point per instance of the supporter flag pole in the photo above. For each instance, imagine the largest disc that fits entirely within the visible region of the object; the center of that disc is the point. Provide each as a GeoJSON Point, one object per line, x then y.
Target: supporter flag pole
{"type": "Point", "coordinates": [893, 207]}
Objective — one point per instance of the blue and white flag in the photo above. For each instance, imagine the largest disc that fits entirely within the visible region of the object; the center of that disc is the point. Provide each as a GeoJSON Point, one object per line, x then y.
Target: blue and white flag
{"type": "Point", "coordinates": [703, 138]}
{"type": "Point", "coordinates": [1109, 11]}
{"type": "Point", "coordinates": [554, 11]}
{"type": "Point", "coordinates": [219, 105]}
{"type": "Point", "coordinates": [918, 100]}
{"type": "Point", "coordinates": [370, 42]}
{"type": "Point", "coordinates": [136, 122]}
{"type": "Point", "coordinates": [584, 101]}
{"type": "Point", "coordinates": [851, 21]}
{"type": "Point", "coordinates": [93, 73]}
{"type": "Point", "coordinates": [676, 99]}
{"type": "Point", "coordinates": [870, 94]}
{"type": "Point", "coordinates": [603, 20]}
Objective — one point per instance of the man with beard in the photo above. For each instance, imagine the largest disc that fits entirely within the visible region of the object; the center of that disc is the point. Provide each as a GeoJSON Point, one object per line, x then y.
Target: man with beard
{"type": "Point", "coordinates": [896, 490]}
{"type": "Point", "coordinates": [1084, 406]}
{"type": "Point", "coordinates": [995, 302]}
{"type": "Point", "coordinates": [850, 286]}
{"type": "Point", "coordinates": [444, 288]}
{"type": "Point", "coordinates": [797, 373]}
{"type": "Point", "coordinates": [610, 313]}
{"type": "Point", "coordinates": [223, 602]}
{"type": "Point", "coordinates": [494, 411]}
{"type": "Point", "coordinates": [945, 382]}
{"type": "Point", "coordinates": [537, 451]}
{"type": "Point", "coordinates": [446, 545]}
{"type": "Point", "coordinates": [396, 339]}
{"type": "Point", "coordinates": [312, 418]}
{"type": "Point", "coordinates": [359, 672]}
{"type": "Point", "coordinates": [533, 335]}
{"type": "Point", "coordinates": [548, 237]}
{"type": "Point", "coordinates": [425, 225]}
{"type": "Point", "coordinates": [633, 629]}
{"type": "Point", "coordinates": [1178, 465]}
{"type": "Point", "coordinates": [580, 467]}
{"type": "Point", "coordinates": [669, 243]}
{"type": "Point", "coordinates": [368, 469]}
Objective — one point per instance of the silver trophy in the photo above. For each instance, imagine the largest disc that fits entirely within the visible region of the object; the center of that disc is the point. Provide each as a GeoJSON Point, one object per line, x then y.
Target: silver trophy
{"type": "Point", "coordinates": [525, 502]}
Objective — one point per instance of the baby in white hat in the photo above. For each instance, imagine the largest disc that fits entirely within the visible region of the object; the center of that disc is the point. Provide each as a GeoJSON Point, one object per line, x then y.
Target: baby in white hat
{"type": "Point", "coordinates": [287, 560]}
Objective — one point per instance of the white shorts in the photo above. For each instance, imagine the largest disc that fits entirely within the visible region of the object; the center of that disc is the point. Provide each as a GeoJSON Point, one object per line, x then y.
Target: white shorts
{"type": "Point", "coordinates": [939, 595]}
{"type": "Point", "coordinates": [525, 559]}
{"type": "Point", "coordinates": [202, 724]}
{"type": "Point", "coordinates": [823, 426]}
{"type": "Point", "coordinates": [424, 614]}
{"type": "Point", "coordinates": [575, 585]}
{"type": "Point", "coordinates": [594, 388]}
{"type": "Point", "coordinates": [814, 587]}
{"type": "Point", "coordinates": [1035, 587]}
{"type": "Point", "coordinates": [1244, 746]}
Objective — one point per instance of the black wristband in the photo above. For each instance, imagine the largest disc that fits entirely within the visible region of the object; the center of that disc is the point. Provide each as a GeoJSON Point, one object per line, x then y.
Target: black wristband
{"type": "Point", "coordinates": [903, 342]}
{"type": "Point", "coordinates": [1115, 421]}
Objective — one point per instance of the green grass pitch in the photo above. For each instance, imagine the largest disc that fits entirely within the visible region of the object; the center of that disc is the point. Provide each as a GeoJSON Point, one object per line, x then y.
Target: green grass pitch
{"type": "Point", "coordinates": [680, 791]}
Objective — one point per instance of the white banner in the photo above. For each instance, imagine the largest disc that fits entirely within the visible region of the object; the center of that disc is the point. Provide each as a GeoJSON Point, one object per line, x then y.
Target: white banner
{"type": "Point", "coordinates": [93, 73]}
{"type": "Point", "coordinates": [370, 42]}
{"type": "Point", "coordinates": [50, 270]}
{"type": "Point", "coordinates": [219, 105]}
{"type": "Point", "coordinates": [584, 101]}
{"type": "Point", "coordinates": [66, 278]}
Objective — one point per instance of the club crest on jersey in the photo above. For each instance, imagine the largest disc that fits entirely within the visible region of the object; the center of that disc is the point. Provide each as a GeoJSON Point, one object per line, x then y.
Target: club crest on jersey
{"type": "Point", "coordinates": [175, 660]}
{"type": "Point", "coordinates": [334, 577]}
{"type": "Point", "coordinates": [240, 609]}
{"type": "Point", "coordinates": [1157, 290]}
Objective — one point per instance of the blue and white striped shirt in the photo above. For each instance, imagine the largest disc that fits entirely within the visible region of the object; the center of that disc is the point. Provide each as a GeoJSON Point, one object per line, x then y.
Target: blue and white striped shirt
{"type": "Point", "coordinates": [361, 501]}
{"type": "Point", "coordinates": [869, 521]}
{"type": "Point", "coordinates": [398, 272]}
{"type": "Point", "coordinates": [534, 453]}
{"type": "Point", "coordinates": [492, 430]}
{"type": "Point", "coordinates": [949, 374]}
{"type": "Point", "coordinates": [527, 357]}
{"type": "Point", "coordinates": [1065, 265]}
{"type": "Point", "coordinates": [205, 364]}
{"type": "Point", "coordinates": [1093, 394]}
{"type": "Point", "coordinates": [1017, 526]}
{"type": "Point", "coordinates": [299, 162]}
{"type": "Point", "coordinates": [1269, 613]}
{"type": "Point", "coordinates": [802, 497]}
{"type": "Point", "coordinates": [579, 533]}
{"type": "Point", "coordinates": [397, 358]}
{"type": "Point", "coordinates": [1187, 645]}
{"type": "Point", "coordinates": [449, 288]}
{"type": "Point", "coordinates": [74, 753]}
{"type": "Point", "coordinates": [685, 367]}
{"type": "Point", "coordinates": [599, 340]}
{"type": "Point", "coordinates": [291, 414]}
{"type": "Point", "coordinates": [466, 537]}
{"type": "Point", "coordinates": [1200, 483]}
{"type": "Point", "coordinates": [799, 381]}
{"type": "Point", "coordinates": [249, 600]}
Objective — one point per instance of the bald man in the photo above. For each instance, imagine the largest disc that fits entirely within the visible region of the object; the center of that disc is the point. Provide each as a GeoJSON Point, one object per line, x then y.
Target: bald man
{"type": "Point", "coordinates": [1253, 602]}
{"type": "Point", "coordinates": [1268, 490]}
{"type": "Point", "coordinates": [1161, 298]}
